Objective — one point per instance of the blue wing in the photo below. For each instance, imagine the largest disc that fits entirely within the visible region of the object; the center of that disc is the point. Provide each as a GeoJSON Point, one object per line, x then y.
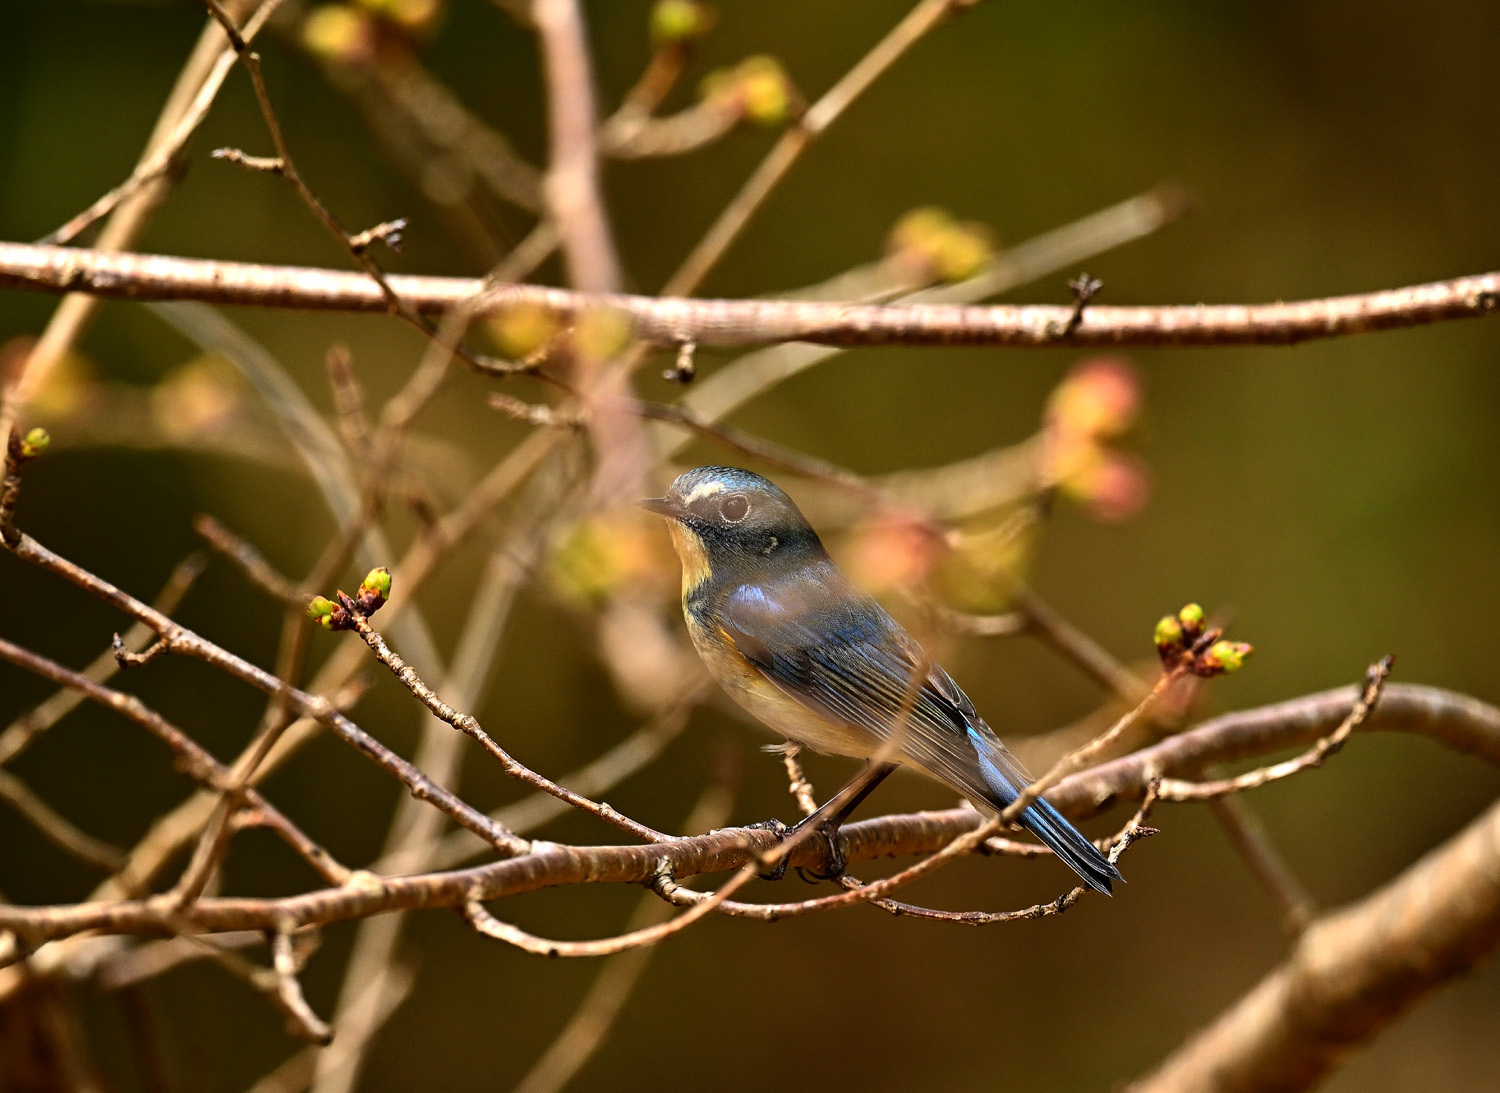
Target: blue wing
{"type": "Point", "coordinates": [838, 652]}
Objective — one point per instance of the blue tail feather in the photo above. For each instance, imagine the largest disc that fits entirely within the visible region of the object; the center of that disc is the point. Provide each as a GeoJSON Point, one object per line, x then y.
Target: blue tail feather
{"type": "Point", "coordinates": [1047, 824]}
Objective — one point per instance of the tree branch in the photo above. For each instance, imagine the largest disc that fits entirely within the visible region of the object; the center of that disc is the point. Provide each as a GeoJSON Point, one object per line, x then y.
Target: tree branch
{"type": "Point", "coordinates": [1457, 720]}
{"type": "Point", "coordinates": [669, 320]}
{"type": "Point", "coordinates": [1351, 973]}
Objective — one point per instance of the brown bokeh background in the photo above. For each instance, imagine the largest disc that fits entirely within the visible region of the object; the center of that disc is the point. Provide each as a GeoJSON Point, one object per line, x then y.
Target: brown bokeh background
{"type": "Point", "coordinates": [1339, 500]}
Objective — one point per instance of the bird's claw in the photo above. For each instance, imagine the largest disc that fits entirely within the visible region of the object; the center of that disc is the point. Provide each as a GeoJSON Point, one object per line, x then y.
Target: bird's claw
{"type": "Point", "coordinates": [780, 830]}
{"type": "Point", "coordinates": [833, 848]}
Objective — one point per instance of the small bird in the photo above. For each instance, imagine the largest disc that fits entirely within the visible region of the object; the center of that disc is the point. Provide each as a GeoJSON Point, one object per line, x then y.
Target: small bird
{"type": "Point", "coordinates": [819, 661]}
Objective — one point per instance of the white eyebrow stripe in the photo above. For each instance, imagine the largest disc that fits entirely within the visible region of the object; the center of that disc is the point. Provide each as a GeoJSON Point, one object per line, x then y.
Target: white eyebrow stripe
{"type": "Point", "coordinates": [708, 489]}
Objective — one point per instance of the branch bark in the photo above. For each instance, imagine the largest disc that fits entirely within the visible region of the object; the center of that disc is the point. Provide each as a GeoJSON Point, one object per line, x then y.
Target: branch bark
{"type": "Point", "coordinates": [1351, 973]}
{"type": "Point", "coordinates": [670, 320]}
{"type": "Point", "coordinates": [1457, 720]}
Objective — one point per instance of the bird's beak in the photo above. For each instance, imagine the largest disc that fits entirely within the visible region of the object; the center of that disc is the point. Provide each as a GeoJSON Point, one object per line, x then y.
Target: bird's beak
{"type": "Point", "coordinates": [662, 506]}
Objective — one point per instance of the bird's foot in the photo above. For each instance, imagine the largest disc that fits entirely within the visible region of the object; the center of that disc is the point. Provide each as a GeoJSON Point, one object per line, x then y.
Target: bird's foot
{"type": "Point", "coordinates": [780, 830]}
{"type": "Point", "coordinates": [826, 830]}
{"type": "Point", "coordinates": [820, 828]}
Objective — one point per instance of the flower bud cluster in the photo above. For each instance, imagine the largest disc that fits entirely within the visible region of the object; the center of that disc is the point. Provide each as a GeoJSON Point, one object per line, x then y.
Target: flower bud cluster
{"type": "Point", "coordinates": [1185, 644]}
{"type": "Point", "coordinates": [374, 590]}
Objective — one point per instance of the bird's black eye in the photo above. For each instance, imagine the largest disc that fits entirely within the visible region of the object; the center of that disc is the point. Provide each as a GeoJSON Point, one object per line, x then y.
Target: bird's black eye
{"type": "Point", "coordinates": [734, 508]}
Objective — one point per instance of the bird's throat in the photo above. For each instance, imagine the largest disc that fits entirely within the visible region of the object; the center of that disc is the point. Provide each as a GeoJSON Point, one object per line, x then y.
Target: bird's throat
{"type": "Point", "coordinates": [690, 549]}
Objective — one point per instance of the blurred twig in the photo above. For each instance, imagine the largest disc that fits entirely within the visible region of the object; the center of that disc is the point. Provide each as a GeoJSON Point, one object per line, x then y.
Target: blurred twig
{"type": "Point", "coordinates": [596, 1014]}
{"type": "Point", "coordinates": [130, 212]}
{"type": "Point", "coordinates": [57, 828]}
{"type": "Point", "coordinates": [1250, 838]}
{"type": "Point", "coordinates": [40, 718]}
{"type": "Point", "coordinates": [572, 181]}
{"type": "Point", "coordinates": [789, 148]}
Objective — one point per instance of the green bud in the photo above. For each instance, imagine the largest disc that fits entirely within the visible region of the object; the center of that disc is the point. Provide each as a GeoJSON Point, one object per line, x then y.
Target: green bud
{"type": "Point", "coordinates": [1191, 618]}
{"type": "Point", "coordinates": [1168, 633]}
{"type": "Point", "coordinates": [321, 610]}
{"type": "Point", "coordinates": [674, 21]}
{"type": "Point", "coordinates": [35, 443]}
{"type": "Point", "coordinates": [338, 33]}
{"type": "Point", "coordinates": [1226, 656]}
{"type": "Point", "coordinates": [378, 581]}
{"type": "Point", "coordinates": [963, 251]}
{"type": "Point", "coordinates": [765, 90]}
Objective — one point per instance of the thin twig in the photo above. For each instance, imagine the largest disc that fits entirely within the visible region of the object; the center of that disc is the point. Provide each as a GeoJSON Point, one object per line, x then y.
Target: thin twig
{"type": "Point", "coordinates": [468, 725]}
{"type": "Point", "coordinates": [348, 403]}
{"type": "Point", "coordinates": [187, 754]}
{"type": "Point", "coordinates": [1249, 837]}
{"type": "Point", "coordinates": [1075, 646]}
{"type": "Point", "coordinates": [184, 641]}
{"type": "Point", "coordinates": [24, 729]}
{"type": "Point", "coordinates": [251, 562]}
{"type": "Point", "coordinates": [642, 937]}
{"type": "Point", "coordinates": [1173, 789]}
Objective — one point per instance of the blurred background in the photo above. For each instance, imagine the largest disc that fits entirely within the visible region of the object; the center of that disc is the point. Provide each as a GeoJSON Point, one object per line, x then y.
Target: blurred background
{"type": "Point", "coordinates": [1337, 500]}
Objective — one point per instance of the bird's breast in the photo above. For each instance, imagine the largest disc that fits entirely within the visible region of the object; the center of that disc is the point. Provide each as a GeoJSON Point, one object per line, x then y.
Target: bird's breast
{"type": "Point", "coordinates": [766, 702]}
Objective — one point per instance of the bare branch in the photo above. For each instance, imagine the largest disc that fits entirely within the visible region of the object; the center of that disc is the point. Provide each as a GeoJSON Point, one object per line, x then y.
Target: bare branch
{"type": "Point", "coordinates": [1457, 720]}
{"type": "Point", "coordinates": [1249, 837]}
{"type": "Point", "coordinates": [672, 321]}
{"type": "Point", "coordinates": [1351, 973]}
{"type": "Point", "coordinates": [251, 562]}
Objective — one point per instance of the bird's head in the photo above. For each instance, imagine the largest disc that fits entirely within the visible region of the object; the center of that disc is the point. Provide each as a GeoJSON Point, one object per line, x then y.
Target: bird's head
{"type": "Point", "coordinates": [731, 523]}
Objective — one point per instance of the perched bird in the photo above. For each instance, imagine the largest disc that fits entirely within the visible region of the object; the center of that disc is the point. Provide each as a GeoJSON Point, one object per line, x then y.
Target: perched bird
{"type": "Point", "coordinates": [819, 661]}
